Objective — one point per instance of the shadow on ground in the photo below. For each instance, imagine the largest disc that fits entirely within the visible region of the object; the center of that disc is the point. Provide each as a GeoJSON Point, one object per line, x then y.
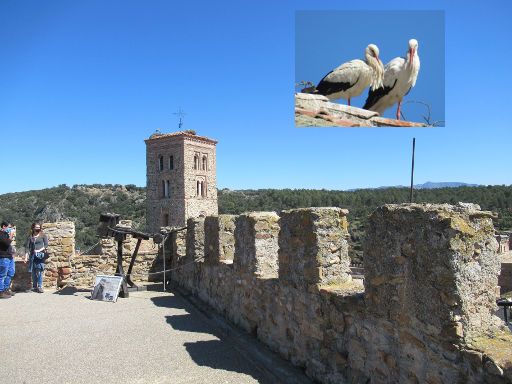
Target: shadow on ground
{"type": "Point", "coordinates": [69, 291]}
{"type": "Point", "coordinates": [171, 301]}
{"type": "Point", "coordinates": [218, 354]}
{"type": "Point", "coordinates": [213, 353]}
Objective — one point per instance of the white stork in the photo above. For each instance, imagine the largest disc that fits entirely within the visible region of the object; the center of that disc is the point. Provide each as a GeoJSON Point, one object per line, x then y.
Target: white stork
{"type": "Point", "coordinates": [400, 76]}
{"type": "Point", "coordinates": [351, 78]}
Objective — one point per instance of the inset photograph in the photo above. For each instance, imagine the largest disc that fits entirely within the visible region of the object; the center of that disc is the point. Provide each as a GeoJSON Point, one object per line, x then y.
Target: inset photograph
{"type": "Point", "coordinates": [369, 69]}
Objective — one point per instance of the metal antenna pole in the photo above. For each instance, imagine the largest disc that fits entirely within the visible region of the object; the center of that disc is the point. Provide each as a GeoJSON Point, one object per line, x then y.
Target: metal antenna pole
{"type": "Point", "coordinates": [412, 168]}
{"type": "Point", "coordinates": [163, 255]}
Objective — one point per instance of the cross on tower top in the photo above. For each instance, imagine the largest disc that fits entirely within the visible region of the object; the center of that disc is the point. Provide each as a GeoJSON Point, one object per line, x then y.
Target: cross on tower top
{"type": "Point", "coordinates": [180, 113]}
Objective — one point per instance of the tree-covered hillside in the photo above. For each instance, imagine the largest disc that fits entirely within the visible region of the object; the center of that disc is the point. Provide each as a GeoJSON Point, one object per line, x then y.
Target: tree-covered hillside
{"type": "Point", "coordinates": [361, 203]}
{"type": "Point", "coordinates": [83, 204]}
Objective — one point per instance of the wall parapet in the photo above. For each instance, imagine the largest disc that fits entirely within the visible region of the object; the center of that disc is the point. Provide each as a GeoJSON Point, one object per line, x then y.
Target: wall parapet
{"type": "Point", "coordinates": [313, 247]}
{"type": "Point", "coordinates": [439, 261]}
{"type": "Point", "coordinates": [256, 244]}
{"type": "Point", "coordinates": [430, 277]}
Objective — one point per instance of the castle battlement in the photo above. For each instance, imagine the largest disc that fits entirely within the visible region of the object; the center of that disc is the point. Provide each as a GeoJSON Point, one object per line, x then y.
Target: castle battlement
{"type": "Point", "coordinates": [425, 311]}
{"type": "Point", "coordinates": [423, 315]}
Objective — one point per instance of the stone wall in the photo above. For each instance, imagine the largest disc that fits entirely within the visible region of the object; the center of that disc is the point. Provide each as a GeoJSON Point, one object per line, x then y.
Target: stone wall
{"type": "Point", "coordinates": [61, 245]}
{"type": "Point", "coordinates": [66, 268]}
{"type": "Point", "coordinates": [425, 314]}
{"type": "Point", "coordinates": [84, 268]}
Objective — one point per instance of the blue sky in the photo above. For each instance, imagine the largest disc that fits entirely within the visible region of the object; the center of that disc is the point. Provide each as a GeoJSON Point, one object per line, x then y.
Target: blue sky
{"type": "Point", "coordinates": [83, 83]}
{"type": "Point", "coordinates": [326, 39]}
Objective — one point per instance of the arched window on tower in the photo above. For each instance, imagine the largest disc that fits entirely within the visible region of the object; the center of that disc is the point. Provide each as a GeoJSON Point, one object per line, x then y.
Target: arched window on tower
{"type": "Point", "coordinates": [205, 163]}
{"type": "Point", "coordinates": [163, 188]}
{"type": "Point", "coordinates": [198, 186]}
{"type": "Point", "coordinates": [171, 162]}
{"type": "Point", "coordinates": [196, 162]}
{"type": "Point", "coordinates": [167, 189]}
{"type": "Point", "coordinates": [160, 163]}
{"type": "Point", "coordinates": [165, 220]}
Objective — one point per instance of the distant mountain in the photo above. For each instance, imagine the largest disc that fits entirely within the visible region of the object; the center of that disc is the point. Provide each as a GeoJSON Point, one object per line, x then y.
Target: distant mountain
{"type": "Point", "coordinates": [443, 184]}
{"type": "Point", "coordinates": [429, 185]}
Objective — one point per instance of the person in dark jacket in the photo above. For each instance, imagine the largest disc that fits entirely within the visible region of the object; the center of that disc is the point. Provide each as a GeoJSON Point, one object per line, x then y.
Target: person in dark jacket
{"type": "Point", "coordinates": [8, 228]}
{"type": "Point", "coordinates": [36, 246]}
{"type": "Point", "coordinates": [5, 262]}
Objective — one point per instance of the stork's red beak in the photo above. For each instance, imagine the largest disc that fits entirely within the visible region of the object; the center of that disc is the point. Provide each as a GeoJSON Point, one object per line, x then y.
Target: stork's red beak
{"type": "Point", "coordinates": [411, 53]}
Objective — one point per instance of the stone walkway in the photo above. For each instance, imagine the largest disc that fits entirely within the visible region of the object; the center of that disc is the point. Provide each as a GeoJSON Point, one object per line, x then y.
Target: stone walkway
{"type": "Point", "coordinates": [152, 337]}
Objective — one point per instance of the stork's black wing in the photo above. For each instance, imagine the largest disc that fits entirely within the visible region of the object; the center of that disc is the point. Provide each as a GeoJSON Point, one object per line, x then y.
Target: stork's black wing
{"type": "Point", "coordinates": [375, 95]}
{"type": "Point", "coordinates": [326, 87]}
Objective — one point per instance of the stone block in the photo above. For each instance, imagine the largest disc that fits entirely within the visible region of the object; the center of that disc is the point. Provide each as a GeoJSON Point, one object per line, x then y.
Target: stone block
{"type": "Point", "coordinates": [438, 262]}
{"type": "Point", "coordinates": [256, 244]}
{"type": "Point", "coordinates": [227, 237]}
{"type": "Point", "coordinates": [313, 247]}
{"type": "Point", "coordinates": [22, 279]}
{"type": "Point", "coordinates": [211, 239]}
{"type": "Point", "coordinates": [195, 241]}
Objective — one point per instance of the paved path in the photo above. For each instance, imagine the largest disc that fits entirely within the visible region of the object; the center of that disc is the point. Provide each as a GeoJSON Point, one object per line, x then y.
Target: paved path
{"type": "Point", "coordinates": [151, 337]}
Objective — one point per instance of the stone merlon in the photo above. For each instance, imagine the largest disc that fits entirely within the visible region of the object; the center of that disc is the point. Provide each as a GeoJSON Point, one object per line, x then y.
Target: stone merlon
{"type": "Point", "coordinates": [425, 313]}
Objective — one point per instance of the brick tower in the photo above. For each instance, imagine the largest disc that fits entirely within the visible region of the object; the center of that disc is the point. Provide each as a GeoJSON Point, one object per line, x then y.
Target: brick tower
{"type": "Point", "coordinates": [181, 178]}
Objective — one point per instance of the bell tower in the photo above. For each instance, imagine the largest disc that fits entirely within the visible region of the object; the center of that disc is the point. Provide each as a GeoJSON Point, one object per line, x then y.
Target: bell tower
{"type": "Point", "coordinates": [181, 178]}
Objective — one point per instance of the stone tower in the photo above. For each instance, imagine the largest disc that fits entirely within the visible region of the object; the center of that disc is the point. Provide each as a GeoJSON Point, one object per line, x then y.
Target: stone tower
{"type": "Point", "coordinates": [181, 178]}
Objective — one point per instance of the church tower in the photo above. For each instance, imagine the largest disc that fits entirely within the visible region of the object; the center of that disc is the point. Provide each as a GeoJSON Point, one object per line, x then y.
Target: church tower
{"type": "Point", "coordinates": [181, 178]}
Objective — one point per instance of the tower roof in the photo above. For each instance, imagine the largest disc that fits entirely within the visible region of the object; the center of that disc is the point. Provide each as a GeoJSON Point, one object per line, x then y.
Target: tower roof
{"type": "Point", "coordinates": [188, 134]}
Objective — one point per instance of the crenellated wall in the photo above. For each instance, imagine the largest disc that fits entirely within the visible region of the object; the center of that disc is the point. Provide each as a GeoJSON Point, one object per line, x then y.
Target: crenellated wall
{"type": "Point", "coordinates": [425, 314]}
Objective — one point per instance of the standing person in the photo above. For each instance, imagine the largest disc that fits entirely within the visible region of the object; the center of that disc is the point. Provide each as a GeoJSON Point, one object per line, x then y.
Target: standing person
{"type": "Point", "coordinates": [5, 256]}
{"type": "Point", "coordinates": [8, 228]}
{"type": "Point", "coordinates": [36, 246]}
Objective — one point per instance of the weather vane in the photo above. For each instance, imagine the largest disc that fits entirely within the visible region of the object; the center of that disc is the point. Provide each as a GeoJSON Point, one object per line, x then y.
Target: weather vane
{"type": "Point", "coordinates": [180, 114]}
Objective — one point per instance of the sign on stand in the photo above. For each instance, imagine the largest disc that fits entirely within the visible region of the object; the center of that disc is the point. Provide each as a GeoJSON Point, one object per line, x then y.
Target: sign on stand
{"type": "Point", "coordinates": [106, 288]}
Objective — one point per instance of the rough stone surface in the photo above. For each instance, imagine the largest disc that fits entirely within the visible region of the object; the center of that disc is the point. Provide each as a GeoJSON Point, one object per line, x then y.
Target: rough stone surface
{"type": "Point", "coordinates": [318, 111]}
{"type": "Point", "coordinates": [420, 319]}
{"type": "Point", "coordinates": [61, 246]}
{"type": "Point", "coordinates": [440, 252]}
{"type": "Point", "coordinates": [256, 244]}
{"type": "Point", "coordinates": [181, 198]}
{"type": "Point", "coordinates": [22, 280]}
{"type": "Point", "coordinates": [313, 248]}
{"type": "Point", "coordinates": [227, 238]}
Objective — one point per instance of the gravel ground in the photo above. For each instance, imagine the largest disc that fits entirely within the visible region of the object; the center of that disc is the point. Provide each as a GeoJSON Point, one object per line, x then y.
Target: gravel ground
{"type": "Point", "coordinates": [151, 337]}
